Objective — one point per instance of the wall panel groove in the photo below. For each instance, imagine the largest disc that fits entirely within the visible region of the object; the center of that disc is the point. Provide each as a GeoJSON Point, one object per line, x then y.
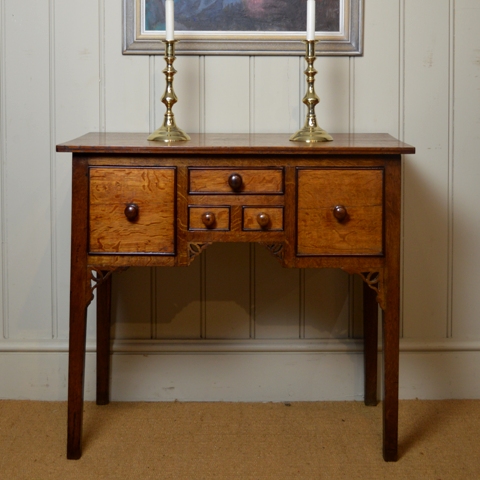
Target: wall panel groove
{"type": "Point", "coordinates": [426, 174]}
{"type": "Point", "coordinates": [3, 180]}
{"type": "Point", "coordinates": [401, 135]}
{"type": "Point", "coordinates": [53, 171]}
{"type": "Point", "coordinates": [102, 67]}
{"type": "Point", "coordinates": [451, 160]}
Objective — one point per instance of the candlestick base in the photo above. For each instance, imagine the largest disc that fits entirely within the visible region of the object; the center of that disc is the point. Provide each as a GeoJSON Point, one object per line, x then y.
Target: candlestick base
{"type": "Point", "coordinates": [311, 135]}
{"type": "Point", "coordinates": [311, 132]}
{"type": "Point", "coordinates": [168, 134]}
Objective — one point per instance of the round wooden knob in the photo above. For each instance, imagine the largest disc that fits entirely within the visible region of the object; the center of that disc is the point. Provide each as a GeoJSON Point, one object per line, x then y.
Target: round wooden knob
{"type": "Point", "coordinates": [263, 219]}
{"type": "Point", "coordinates": [208, 219]}
{"type": "Point", "coordinates": [235, 181]}
{"type": "Point", "coordinates": [131, 211]}
{"type": "Point", "coordinates": [340, 213]}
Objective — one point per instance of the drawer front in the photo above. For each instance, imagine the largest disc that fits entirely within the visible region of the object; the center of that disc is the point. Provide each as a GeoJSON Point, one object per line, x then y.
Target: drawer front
{"type": "Point", "coordinates": [263, 219]}
{"type": "Point", "coordinates": [209, 218]}
{"type": "Point", "coordinates": [132, 210]}
{"type": "Point", "coordinates": [235, 181]}
{"type": "Point", "coordinates": [340, 212]}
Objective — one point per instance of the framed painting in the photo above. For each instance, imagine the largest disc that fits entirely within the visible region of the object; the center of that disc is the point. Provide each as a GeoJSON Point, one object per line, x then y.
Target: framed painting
{"type": "Point", "coordinates": [243, 27]}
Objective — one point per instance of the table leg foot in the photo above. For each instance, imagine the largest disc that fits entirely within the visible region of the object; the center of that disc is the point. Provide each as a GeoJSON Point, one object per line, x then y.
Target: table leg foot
{"type": "Point", "coordinates": [370, 335]}
{"type": "Point", "coordinates": [104, 290]}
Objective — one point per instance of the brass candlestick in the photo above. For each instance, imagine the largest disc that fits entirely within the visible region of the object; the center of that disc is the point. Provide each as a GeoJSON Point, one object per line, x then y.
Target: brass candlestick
{"type": "Point", "coordinates": [169, 132]}
{"type": "Point", "coordinates": [311, 132]}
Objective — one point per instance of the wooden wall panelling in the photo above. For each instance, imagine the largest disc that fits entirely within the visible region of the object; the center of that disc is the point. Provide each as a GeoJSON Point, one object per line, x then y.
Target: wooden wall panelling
{"type": "Point", "coordinates": [277, 297]}
{"type": "Point", "coordinates": [3, 179]}
{"type": "Point", "coordinates": [77, 82]}
{"type": "Point", "coordinates": [376, 73]}
{"type": "Point", "coordinates": [126, 77]}
{"type": "Point", "coordinates": [326, 304]}
{"type": "Point", "coordinates": [227, 94]}
{"type": "Point", "coordinates": [275, 84]}
{"type": "Point", "coordinates": [228, 291]}
{"type": "Point", "coordinates": [179, 311]}
{"type": "Point", "coordinates": [332, 86]}
{"type": "Point", "coordinates": [28, 170]}
{"type": "Point", "coordinates": [132, 308]}
{"type": "Point", "coordinates": [466, 227]}
{"type": "Point", "coordinates": [426, 174]}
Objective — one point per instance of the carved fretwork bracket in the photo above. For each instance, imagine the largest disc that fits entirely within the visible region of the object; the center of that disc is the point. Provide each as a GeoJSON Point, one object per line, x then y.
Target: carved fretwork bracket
{"type": "Point", "coordinates": [97, 277]}
{"type": "Point", "coordinates": [375, 281]}
{"type": "Point", "coordinates": [195, 249]}
{"type": "Point", "coordinates": [276, 249]}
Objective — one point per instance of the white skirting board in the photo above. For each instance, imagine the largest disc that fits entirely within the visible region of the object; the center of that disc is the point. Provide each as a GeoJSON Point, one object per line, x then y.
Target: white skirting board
{"type": "Point", "coordinates": [253, 376]}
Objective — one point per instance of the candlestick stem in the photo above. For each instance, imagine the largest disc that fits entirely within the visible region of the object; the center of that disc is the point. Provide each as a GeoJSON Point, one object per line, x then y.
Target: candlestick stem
{"type": "Point", "coordinates": [169, 132]}
{"type": "Point", "coordinates": [311, 132]}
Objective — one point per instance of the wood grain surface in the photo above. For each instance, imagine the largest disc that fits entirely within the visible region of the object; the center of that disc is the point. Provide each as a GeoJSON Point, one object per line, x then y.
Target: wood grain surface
{"type": "Point", "coordinates": [359, 192]}
{"type": "Point", "coordinates": [236, 142]}
{"type": "Point", "coordinates": [151, 190]}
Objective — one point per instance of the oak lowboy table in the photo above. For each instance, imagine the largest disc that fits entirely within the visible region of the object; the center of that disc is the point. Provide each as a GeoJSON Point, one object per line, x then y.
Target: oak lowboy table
{"type": "Point", "coordinates": [323, 205]}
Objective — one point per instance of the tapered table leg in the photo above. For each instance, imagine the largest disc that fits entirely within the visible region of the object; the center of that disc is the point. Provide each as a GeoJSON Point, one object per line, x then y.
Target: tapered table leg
{"type": "Point", "coordinates": [104, 291]}
{"type": "Point", "coordinates": [391, 333]}
{"type": "Point", "coordinates": [80, 297]}
{"type": "Point", "coordinates": [370, 336]}
{"type": "Point", "coordinates": [76, 369]}
{"type": "Point", "coordinates": [391, 313]}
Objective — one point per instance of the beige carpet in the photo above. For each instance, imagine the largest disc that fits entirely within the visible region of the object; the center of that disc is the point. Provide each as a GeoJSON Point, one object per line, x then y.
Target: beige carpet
{"type": "Point", "coordinates": [439, 440]}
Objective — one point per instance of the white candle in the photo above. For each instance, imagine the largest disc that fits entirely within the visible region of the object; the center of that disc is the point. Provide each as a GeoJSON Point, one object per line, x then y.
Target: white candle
{"type": "Point", "coordinates": [310, 19]}
{"type": "Point", "coordinates": [169, 22]}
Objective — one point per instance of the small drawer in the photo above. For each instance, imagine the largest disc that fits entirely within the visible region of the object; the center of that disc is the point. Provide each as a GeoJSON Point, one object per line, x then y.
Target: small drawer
{"type": "Point", "coordinates": [132, 210]}
{"type": "Point", "coordinates": [263, 219]}
{"type": "Point", "coordinates": [340, 212]}
{"type": "Point", "coordinates": [236, 181]}
{"type": "Point", "coordinates": [209, 218]}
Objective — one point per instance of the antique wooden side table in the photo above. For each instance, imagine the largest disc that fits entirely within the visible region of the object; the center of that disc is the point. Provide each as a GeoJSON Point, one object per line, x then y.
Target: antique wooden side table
{"type": "Point", "coordinates": [323, 205]}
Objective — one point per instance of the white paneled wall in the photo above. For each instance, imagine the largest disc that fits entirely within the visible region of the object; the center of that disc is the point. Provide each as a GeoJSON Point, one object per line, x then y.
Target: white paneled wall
{"type": "Point", "coordinates": [235, 325]}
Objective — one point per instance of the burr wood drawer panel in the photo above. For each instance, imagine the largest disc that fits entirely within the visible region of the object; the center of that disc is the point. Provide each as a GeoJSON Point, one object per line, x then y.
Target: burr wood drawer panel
{"type": "Point", "coordinates": [339, 211]}
{"type": "Point", "coordinates": [132, 210]}
{"type": "Point", "coordinates": [209, 218]}
{"type": "Point", "coordinates": [263, 218]}
{"type": "Point", "coordinates": [236, 181]}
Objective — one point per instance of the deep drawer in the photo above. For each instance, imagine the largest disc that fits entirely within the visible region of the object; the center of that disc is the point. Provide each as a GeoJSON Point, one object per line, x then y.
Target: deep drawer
{"type": "Point", "coordinates": [340, 211]}
{"type": "Point", "coordinates": [132, 210]}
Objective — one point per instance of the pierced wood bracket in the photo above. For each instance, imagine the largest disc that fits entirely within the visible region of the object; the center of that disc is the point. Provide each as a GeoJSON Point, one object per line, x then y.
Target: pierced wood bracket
{"type": "Point", "coordinates": [276, 249]}
{"type": "Point", "coordinates": [195, 249]}
{"type": "Point", "coordinates": [97, 277]}
{"type": "Point", "coordinates": [375, 281]}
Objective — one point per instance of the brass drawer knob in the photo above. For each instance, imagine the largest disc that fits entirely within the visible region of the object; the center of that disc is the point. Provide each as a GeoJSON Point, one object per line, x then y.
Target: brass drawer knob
{"type": "Point", "coordinates": [208, 219]}
{"type": "Point", "coordinates": [340, 213]}
{"type": "Point", "coordinates": [131, 211]}
{"type": "Point", "coordinates": [235, 181]}
{"type": "Point", "coordinates": [263, 219]}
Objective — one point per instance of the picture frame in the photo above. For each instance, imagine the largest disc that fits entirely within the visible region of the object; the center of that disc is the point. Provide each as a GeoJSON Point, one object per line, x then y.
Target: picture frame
{"type": "Point", "coordinates": [346, 39]}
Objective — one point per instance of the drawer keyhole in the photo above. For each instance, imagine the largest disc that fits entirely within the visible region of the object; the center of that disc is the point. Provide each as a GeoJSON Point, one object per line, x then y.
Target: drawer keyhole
{"type": "Point", "coordinates": [131, 211]}
{"type": "Point", "coordinates": [235, 181]}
